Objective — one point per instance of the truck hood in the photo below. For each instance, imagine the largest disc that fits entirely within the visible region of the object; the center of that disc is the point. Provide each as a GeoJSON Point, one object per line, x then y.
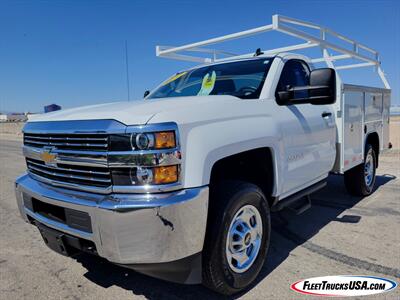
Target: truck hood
{"type": "Point", "coordinates": [140, 111]}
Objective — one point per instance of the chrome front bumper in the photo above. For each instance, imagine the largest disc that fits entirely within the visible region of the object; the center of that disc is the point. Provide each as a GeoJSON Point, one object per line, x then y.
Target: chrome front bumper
{"type": "Point", "coordinates": [128, 228]}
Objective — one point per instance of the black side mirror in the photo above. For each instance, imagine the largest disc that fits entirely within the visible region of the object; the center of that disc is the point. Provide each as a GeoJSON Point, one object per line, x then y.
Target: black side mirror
{"type": "Point", "coordinates": [322, 90]}
{"type": "Point", "coordinates": [146, 93]}
{"type": "Point", "coordinates": [323, 83]}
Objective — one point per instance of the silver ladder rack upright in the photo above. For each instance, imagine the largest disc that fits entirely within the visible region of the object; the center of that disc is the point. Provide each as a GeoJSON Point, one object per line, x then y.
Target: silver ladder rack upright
{"type": "Point", "coordinates": [282, 24]}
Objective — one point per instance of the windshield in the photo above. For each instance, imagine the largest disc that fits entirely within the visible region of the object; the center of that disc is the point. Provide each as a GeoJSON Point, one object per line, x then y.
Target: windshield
{"type": "Point", "coordinates": [243, 79]}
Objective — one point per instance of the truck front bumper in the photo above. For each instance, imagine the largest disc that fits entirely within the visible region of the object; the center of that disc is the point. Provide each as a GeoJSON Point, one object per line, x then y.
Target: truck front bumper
{"type": "Point", "coordinates": [143, 230]}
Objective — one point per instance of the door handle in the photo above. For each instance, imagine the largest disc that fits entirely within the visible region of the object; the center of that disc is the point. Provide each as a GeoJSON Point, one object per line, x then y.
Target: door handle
{"type": "Point", "coordinates": [326, 114]}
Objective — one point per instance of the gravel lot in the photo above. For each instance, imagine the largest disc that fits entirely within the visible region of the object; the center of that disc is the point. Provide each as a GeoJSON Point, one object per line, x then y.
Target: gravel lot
{"type": "Point", "coordinates": [338, 235]}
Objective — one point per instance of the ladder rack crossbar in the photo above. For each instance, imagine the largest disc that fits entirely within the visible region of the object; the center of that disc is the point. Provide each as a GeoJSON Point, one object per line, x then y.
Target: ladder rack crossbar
{"type": "Point", "coordinates": [283, 24]}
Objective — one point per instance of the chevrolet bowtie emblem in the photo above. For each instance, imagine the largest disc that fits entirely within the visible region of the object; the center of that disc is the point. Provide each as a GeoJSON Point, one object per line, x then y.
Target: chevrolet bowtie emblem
{"type": "Point", "coordinates": [48, 157]}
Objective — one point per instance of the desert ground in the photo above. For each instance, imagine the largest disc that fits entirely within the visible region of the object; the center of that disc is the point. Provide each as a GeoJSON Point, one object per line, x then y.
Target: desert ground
{"type": "Point", "coordinates": [339, 235]}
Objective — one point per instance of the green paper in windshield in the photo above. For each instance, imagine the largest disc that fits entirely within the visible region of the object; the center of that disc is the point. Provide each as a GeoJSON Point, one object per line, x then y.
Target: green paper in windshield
{"type": "Point", "coordinates": [208, 84]}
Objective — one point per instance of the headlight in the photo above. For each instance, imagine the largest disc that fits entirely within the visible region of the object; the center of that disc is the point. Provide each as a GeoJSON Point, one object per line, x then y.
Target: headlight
{"type": "Point", "coordinates": [145, 156]}
{"type": "Point", "coordinates": [143, 141]}
{"type": "Point", "coordinates": [141, 176]}
{"type": "Point", "coordinates": [156, 175]}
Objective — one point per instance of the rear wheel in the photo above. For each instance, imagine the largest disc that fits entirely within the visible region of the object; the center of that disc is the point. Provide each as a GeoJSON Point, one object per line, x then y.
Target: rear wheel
{"type": "Point", "coordinates": [360, 180]}
{"type": "Point", "coordinates": [238, 235]}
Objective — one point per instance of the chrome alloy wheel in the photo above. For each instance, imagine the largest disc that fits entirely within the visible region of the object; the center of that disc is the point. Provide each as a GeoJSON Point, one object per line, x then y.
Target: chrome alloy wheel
{"type": "Point", "coordinates": [369, 169]}
{"type": "Point", "coordinates": [244, 239]}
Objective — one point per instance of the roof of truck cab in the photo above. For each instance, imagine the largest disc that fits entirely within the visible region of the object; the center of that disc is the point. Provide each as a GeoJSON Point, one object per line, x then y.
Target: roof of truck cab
{"type": "Point", "coordinates": [283, 55]}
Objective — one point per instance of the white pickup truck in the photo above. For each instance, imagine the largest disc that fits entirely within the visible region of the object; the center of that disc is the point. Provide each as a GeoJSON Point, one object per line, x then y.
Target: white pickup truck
{"type": "Point", "coordinates": [180, 185]}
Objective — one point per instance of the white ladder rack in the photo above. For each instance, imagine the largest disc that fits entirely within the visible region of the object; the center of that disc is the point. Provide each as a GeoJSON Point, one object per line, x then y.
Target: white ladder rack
{"type": "Point", "coordinates": [282, 24]}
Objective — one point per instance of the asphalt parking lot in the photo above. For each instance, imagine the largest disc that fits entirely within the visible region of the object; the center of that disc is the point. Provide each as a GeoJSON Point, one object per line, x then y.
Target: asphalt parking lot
{"type": "Point", "coordinates": [338, 235]}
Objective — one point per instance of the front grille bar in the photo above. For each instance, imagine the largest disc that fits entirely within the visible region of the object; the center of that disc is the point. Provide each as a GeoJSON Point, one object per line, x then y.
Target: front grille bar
{"type": "Point", "coordinates": [65, 144]}
{"type": "Point", "coordinates": [71, 185]}
{"type": "Point", "coordinates": [70, 141]}
{"type": "Point", "coordinates": [79, 177]}
{"type": "Point", "coordinates": [68, 138]}
{"type": "Point", "coordinates": [106, 173]}
{"type": "Point", "coordinates": [70, 157]}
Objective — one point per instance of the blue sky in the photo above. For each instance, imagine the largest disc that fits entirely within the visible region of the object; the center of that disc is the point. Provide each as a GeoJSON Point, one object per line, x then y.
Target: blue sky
{"type": "Point", "coordinates": [72, 52]}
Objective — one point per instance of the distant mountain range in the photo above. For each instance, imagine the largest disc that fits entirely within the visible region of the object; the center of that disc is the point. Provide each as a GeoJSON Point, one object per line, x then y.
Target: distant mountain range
{"type": "Point", "coordinates": [395, 110]}
{"type": "Point", "coordinates": [5, 112]}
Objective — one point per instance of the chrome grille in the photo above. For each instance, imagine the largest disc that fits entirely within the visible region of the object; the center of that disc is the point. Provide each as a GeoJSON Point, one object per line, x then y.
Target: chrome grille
{"type": "Point", "coordinates": [92, 176]}
{"type": "Point", "coordinates": [86, 155]}
{"type": "Point", "coordinates": [92, 142]}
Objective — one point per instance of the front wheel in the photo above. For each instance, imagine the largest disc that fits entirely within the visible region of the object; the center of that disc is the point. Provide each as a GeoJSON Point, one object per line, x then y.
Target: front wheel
{"type": "Point", "coordinates": [238, 235]}
{"type": "Point", "coordinates": [360, 180]}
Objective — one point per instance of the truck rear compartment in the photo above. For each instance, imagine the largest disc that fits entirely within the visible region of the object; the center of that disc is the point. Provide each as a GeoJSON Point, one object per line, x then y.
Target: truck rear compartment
{"type": "Point", "coordinates": [360, 111]}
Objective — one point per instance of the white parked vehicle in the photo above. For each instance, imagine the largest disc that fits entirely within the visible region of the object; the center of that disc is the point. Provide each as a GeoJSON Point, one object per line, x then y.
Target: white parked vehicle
{"type": "Point", "coordinates": [180, 185]}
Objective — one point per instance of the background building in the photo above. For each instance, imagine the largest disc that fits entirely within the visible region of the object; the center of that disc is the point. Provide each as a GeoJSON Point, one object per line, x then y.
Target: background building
{"type": "Point", "coordinates": [51, 107]}
{"type": "Point", "coordinates": [13, 117]}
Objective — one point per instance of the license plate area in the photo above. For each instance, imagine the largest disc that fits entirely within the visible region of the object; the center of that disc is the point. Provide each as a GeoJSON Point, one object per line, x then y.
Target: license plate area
{"type": "Point", "coordinates": [63, 243]}
{"type": "Point", "coordinates": [54, 240]}
{"type": "Point", "coordinates": [73, 218]}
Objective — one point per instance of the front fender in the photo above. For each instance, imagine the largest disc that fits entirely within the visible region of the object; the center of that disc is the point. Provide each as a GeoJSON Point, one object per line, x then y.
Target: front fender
{"type": "Point", "coordinates": [204, 144]}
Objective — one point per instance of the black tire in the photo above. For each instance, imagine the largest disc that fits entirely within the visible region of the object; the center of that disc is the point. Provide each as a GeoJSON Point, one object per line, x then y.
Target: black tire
{"type": "Point", "coordinates": [225, 200]}
{"type": "Point", "coordinates": [354, 179]}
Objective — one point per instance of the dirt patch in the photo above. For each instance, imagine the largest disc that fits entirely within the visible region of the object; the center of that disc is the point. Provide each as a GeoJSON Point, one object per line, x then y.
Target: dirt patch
{"type": "Point", "coordinates": [11, 130]}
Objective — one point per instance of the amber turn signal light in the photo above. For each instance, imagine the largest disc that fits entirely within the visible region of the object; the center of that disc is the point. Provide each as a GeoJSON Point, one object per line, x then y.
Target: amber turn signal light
{"type": "Point", "coordinates": [163, 175]}
{"type": "Point", "coordinates": [164, 139]}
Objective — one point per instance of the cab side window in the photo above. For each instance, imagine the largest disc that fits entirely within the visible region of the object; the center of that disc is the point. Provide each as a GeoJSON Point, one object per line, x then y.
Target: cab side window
{"type": "Point", "coordinates": [294, 73]}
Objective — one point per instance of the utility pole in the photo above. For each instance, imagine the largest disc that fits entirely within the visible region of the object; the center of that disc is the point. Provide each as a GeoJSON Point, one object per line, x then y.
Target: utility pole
{"type": "Point", "coordinates": [127, 68]}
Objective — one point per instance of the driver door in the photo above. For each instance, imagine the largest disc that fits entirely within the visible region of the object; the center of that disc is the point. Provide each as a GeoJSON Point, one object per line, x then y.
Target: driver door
{"type": "Point", "coordinates": [308, 135]}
